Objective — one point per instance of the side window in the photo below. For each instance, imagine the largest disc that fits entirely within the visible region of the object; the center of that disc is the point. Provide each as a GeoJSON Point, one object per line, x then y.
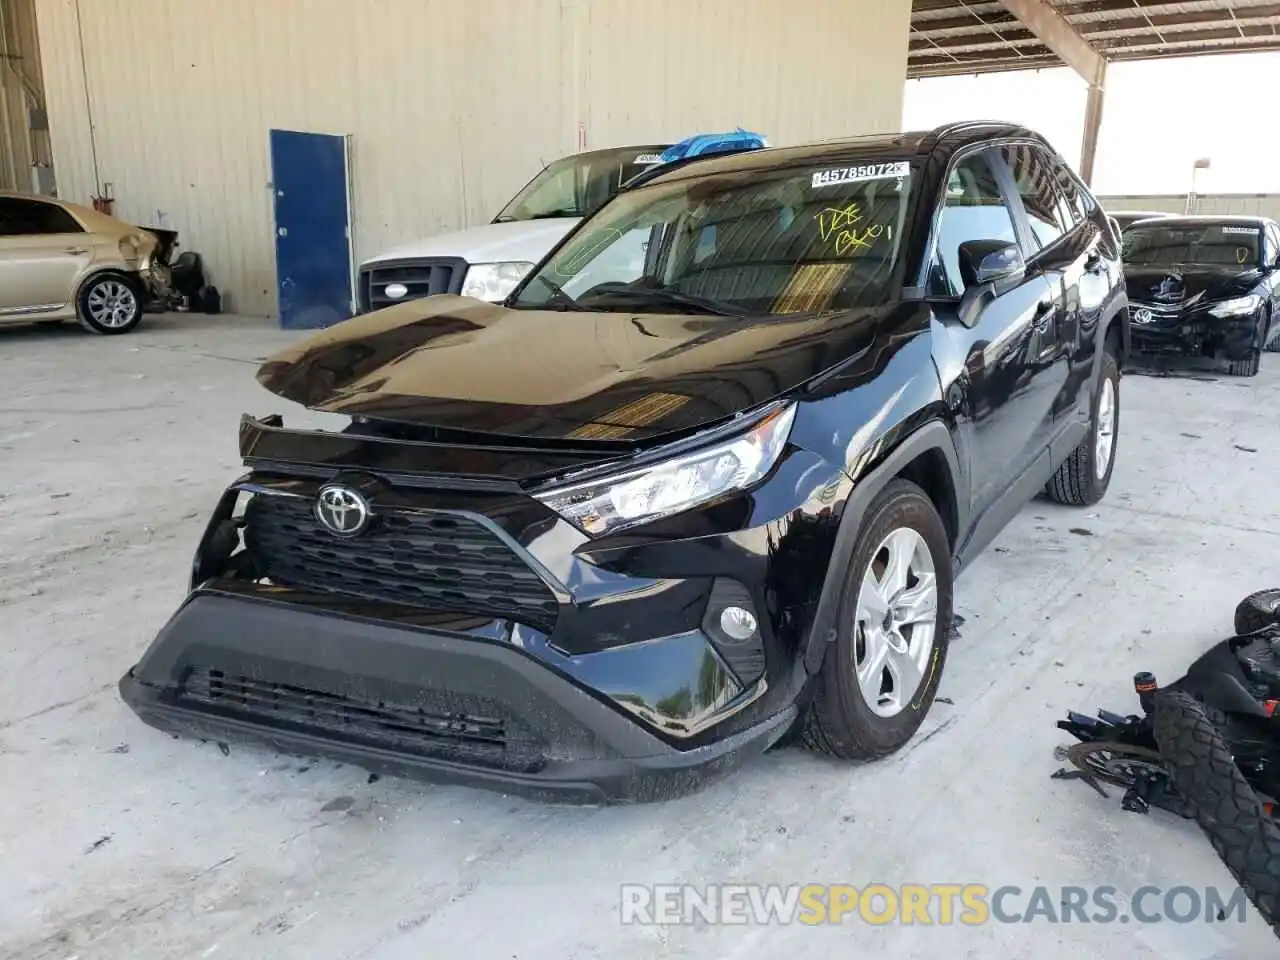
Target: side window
{"type": "Point", "coordinates": [1069, 189]}
{"type": "Point", "coordinates": [1272, 244]}
{"type": "Point", "coordinates": [1047, 211]}
{"type": "Point", "coordinates": [22, 218]}
{"type": "Point", "coordinates": [974, 208]}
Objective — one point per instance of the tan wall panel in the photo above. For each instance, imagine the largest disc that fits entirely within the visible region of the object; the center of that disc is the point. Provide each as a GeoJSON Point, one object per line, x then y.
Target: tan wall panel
{"type": "Point", "coordinates": [451, 105]}
{"type": "Point", "coordinates": [1245, 204]}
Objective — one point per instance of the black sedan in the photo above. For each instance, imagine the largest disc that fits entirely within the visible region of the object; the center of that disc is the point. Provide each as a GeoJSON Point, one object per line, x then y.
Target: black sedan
{"type": "Point", "coordinates": [1204, 287]}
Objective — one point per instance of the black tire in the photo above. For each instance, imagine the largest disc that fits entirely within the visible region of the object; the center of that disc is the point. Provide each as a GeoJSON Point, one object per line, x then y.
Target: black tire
{"type": "Point", "coordinates": [1247, 367]}
{"type": "Point", "coordinates": [1077, 483]}
{"type": "Point", "coordinates": [1258, 610]}
{"type": "Point", "coordinates": [1270, 339]}
{"type": "Point", "coordinates": [839, 721]}
{"type": "Point", "coordinates": [96, 285]}
{"type": "Point", "coordinates": [1225, 805]}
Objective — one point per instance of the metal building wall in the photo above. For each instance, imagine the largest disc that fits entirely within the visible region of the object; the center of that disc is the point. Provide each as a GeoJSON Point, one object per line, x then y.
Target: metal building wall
{"type": "Point", "coordinates": [20, 90]}
{"type": "Point", "coordinates": [1248, 204]}
{"type": "Point", "coordinates": [451, 104]}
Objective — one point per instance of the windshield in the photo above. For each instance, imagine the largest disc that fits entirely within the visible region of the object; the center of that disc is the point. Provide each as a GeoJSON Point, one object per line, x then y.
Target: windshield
{"type": "Point", "coordinates": [1209, 244]}
{"type": "Point", "coordinates": [788, 241]}
{"type": "Point", "coordinates": [578, 186]}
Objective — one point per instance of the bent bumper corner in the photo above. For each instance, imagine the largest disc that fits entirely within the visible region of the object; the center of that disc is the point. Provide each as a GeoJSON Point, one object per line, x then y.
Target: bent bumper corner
{"type": "Point", "coordinates": [407, 702]}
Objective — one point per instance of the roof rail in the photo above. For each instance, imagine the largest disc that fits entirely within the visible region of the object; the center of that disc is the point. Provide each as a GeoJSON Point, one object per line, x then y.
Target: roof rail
{"type": "Point", "coordinates": [939, 133]}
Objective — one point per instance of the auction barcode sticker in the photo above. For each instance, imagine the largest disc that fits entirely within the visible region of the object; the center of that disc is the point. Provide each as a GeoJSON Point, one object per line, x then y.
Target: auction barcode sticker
{"type": "Point", "coordinates": [1242, 231]}
{"type": "Point", "coordinates": [868, 171]}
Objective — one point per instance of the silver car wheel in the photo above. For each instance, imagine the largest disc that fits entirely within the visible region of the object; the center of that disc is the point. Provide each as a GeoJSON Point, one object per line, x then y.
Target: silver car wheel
{"type": "Point", "coordinates": [112, 304]}
{"type": "Point", "coordinates": [1105, 435]}
{"type": "Point", "coordinates": [896, 621]}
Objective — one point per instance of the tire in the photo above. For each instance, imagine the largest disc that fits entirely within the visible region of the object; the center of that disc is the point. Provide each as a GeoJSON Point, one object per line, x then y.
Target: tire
{"type": "Point", "coordinates": [109, 304]}
{"type": "Point", "coordinates": [1270, 340]}
{"type": "Point", "coordinates": [1229, 812]}
{"type": "Point", "coordinates": [841, 720]}
{"type": "Point", "coordinates": [1258, 610]}
{"type": "Point", "coordinates": [1247, 367]}
{"type": "Point", "coordinates": [1077, 482]}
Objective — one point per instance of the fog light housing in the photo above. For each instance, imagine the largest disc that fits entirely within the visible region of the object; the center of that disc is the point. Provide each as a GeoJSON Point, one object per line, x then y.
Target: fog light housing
{"type": "Point", "coordinates": [738, 623]}
{"type": "Point", "coordinates": [733, 627]}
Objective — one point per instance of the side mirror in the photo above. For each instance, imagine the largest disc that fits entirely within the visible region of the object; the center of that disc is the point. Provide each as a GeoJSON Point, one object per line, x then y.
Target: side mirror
{"type": "Point", "coordinates": [984, 262]}
{"type": "Point", "coordinates": [988, 268]}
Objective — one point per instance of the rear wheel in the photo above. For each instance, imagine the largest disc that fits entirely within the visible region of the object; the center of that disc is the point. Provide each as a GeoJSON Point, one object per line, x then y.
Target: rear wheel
{"type": "Point", "coordinates": [109, 303]}
{"type": "Point", "coordinates": [1083, 478]}
{"type": "Point", "coordinates": [880, 674]}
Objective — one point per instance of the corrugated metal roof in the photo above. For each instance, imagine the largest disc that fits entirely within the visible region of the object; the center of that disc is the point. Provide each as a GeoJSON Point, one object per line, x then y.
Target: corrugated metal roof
{"type": "Point", "coordinates": [981, 36]}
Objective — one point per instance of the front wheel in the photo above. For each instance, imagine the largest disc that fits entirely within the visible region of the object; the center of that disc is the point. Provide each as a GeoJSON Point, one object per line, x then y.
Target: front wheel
{"type": "Point", "coordinates": [880, 674]}
{"type": "Point", "coordinates": [109, 304]}
{"type": "Point", "coordinates": [1248, 367]}
{"type": "Point", "coordinates": [1083, 478]}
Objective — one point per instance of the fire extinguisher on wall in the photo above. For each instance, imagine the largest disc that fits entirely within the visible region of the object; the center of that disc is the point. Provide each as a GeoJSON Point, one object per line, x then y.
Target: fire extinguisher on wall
{"type": "Point", "coordinates": [105, 203]}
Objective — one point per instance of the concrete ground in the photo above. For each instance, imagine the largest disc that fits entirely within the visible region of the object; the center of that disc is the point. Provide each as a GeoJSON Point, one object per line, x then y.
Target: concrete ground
{"type": "Point", "coordinates": [117, 841]}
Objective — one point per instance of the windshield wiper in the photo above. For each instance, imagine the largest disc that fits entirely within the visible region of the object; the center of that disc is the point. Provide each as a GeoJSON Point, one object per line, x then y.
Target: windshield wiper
{"type": "Point", "coordinates": [665, 295]}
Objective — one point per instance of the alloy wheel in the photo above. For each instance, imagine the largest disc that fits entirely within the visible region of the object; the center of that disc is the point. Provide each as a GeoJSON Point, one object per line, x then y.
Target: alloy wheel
{"type": "Point", "coordinates": [896, 621]}
{"type": "Point", "coordinates": [112, 304]}
{"type": "Point", "coordinates": [1105, 431]}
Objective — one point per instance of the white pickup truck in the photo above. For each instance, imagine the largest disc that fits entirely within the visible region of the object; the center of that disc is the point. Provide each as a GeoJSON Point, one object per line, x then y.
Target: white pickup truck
{"type": "Point", "coordinates": [487, 262]}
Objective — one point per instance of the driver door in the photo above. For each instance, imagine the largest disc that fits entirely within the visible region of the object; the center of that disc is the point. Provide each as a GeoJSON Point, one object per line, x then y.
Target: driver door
{"type": "Point", "coordinates": [992, 361]}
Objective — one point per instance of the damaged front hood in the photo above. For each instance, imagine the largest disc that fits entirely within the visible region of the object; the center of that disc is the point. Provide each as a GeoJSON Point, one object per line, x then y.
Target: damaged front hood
{"type": "Point", "coordinates": [1184, 286]}
{"type": "Point", "coordinates": [461, 364]}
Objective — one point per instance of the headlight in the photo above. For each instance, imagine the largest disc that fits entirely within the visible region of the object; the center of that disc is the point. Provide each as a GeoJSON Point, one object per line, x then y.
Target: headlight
{"type": "Point", "coordinates": [1238, 307]}
{"type": "Point", "coordinates": [668, 487]}
{"type": "Point", "coordinates": [493, 281]}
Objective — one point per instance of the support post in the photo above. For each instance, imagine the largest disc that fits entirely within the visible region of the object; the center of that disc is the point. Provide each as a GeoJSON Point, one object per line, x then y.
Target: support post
{"type": "Point", "coordinates": [1092, 124]}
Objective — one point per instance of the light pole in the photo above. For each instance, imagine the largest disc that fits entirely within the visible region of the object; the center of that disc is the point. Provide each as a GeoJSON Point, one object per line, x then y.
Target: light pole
{"type": "Point", "coordinates": [1201, 164]}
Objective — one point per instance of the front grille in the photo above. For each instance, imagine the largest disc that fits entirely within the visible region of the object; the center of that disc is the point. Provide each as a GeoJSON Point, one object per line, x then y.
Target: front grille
{"type": "Point", "coordinates": [421, 278]}
{"type": "Point", "coordinates": [442, 726]}
{"type": "Point", "coordinates": [434, 560]}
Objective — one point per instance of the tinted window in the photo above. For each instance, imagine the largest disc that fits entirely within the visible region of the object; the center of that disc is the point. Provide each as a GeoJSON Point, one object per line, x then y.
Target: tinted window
{"type": "Point", "coordinates": [577, 186]}
{"type": "Point", "coordinates": [1168, 243]}
{"type": "Point", "coordinates": [1077, 207]}
{"type": "Point", "coordinates": [1047, 211]}
{"type": "Point", "coordinates": [973, 209]}
{"type": "Point", "coordinates": [793, 241]}
{"type": "Point", "coordinates": [1272, 250]}
{"type": "Point", "coordinates": [20, 218]}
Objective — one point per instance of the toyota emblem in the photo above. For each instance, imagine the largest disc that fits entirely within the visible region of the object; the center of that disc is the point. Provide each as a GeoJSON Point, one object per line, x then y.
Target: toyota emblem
{"type": "Point", "coordinates": [342, 511]}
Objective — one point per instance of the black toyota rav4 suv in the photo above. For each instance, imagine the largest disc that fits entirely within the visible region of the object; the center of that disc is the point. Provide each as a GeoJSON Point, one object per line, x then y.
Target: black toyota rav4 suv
{"type": "Point", "coordinates": [704, 479]}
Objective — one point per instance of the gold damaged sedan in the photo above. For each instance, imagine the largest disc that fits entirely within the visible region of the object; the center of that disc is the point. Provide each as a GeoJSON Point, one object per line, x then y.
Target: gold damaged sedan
{"type": "Point", "coordinates": [61, 261]}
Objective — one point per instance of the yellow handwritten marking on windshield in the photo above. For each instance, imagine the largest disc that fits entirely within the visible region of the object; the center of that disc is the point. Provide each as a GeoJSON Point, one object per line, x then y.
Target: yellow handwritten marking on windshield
{"type": "Point", "coordinates": [1242, 254]}
{"type": "Point", "coordinates": [841, 225]}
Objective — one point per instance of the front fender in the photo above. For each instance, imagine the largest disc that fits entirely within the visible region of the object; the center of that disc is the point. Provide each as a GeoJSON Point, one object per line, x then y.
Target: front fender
{"type": "Point", "coordinates": [933, 437]}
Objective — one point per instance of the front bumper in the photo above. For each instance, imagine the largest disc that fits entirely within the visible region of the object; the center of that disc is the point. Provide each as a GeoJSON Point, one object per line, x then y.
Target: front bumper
{"type": "Point", "coordinates": [425, 703]}
{"type": "Point", "coordinates": [1195, 334]}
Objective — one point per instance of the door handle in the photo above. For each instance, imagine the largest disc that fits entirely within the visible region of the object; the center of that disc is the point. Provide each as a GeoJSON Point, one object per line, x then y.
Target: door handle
{"type": "Point", "coordinates": [75, 251]}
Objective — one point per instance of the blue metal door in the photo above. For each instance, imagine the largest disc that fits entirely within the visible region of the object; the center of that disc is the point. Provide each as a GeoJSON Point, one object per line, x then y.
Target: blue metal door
{"type": "Point", "coordinates": [313, 236]}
